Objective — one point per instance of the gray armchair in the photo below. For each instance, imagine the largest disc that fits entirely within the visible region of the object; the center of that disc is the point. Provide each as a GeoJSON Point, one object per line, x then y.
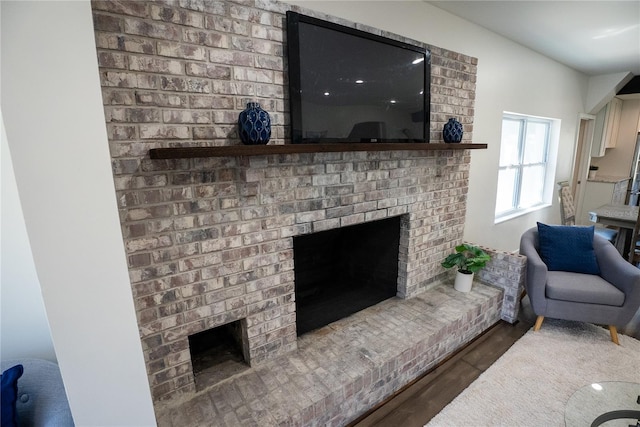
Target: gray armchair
{"type": "Point", "coordinates": [41, 399]}
{"type": "Point", "coordinates": [610, 298]}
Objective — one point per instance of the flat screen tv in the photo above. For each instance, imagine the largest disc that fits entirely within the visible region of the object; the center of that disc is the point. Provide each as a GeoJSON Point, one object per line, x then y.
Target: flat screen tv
{"type": "Point", "coordinates": [347, 85]}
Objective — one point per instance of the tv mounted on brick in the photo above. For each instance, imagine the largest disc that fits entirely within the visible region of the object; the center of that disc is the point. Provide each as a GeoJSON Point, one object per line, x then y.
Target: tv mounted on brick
{"type": "Point", "coordinates": [348, 85]}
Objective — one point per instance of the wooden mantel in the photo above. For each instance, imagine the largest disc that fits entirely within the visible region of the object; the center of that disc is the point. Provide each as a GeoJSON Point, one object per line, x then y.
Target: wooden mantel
{"type": "Point", "coordinates": [258, 150]}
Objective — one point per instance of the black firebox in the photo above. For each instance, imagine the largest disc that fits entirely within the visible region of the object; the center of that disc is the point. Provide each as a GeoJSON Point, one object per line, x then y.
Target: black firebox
{"type": "Point", "coordinates": [342, 271]}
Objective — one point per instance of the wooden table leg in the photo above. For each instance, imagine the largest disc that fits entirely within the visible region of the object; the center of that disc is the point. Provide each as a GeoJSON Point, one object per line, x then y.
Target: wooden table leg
{"type": "Point", "coordinates": [623, 241]}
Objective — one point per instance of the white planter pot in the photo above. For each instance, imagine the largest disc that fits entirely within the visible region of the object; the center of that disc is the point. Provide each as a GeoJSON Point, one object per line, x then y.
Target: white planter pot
{"type": "Point", "coordinates": [463, 282]}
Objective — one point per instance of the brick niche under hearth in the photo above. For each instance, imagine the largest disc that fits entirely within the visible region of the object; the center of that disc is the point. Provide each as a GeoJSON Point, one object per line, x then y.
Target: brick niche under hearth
{"type": "Point", "coordinates": [209, 241]}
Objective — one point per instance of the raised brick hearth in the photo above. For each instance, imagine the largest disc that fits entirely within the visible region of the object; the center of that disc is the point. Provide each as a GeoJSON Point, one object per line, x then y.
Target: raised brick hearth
{"type": "Point", "coordinates": [210, 240]}
{"type": "Point", "coordinates": [340, 371]}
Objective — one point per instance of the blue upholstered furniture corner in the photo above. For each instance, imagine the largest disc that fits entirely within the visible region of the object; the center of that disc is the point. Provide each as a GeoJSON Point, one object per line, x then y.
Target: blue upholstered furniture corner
{"type": "Point", "coordinates": [42, 400]}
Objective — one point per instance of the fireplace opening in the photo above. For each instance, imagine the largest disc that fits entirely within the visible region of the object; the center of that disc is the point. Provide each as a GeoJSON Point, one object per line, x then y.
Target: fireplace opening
{"type": "Point", "coordinates": [218, 353]}
{"type": "Point", "coordinates": [342, 271]}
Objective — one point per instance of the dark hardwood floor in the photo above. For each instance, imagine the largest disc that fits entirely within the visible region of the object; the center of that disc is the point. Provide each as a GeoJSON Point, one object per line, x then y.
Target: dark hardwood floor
{"type": "Point", "coordinates": [422, 400]}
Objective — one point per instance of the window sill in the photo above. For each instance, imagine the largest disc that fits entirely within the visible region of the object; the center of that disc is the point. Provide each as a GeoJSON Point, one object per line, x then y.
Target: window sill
{"type": "Point", "coordinates": [519, 213]}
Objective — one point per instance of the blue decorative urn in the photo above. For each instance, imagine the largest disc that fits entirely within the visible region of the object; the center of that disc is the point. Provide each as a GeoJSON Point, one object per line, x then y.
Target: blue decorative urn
{"type": "Point", "coordinates": [452, 131]}
{"type": "Point", "coordinates": [254, 125]}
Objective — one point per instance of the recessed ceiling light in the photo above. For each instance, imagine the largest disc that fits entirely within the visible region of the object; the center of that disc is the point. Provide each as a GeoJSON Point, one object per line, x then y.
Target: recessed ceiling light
{"type": "Point", "coordinates": [359, 81]}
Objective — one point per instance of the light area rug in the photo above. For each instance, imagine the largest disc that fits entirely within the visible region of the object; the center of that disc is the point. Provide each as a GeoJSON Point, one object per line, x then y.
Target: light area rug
{"type": "Point", "coordinates": [532, 382]}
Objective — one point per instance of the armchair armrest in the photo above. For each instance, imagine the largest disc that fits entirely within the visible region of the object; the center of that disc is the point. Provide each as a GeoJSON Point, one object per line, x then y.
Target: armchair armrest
{"type": "Point", "coordinates": [617, 271]}
{"type": "Point", "coordinates": [536, 279]}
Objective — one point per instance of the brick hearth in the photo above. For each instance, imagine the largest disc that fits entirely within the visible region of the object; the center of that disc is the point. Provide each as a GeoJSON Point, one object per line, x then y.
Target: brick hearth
{"type": "Point", "coordinates": [340, 371]}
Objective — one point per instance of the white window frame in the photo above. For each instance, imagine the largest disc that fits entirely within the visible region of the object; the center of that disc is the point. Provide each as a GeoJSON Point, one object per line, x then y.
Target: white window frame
{"type": "Point", "coordinates": [549, 162]}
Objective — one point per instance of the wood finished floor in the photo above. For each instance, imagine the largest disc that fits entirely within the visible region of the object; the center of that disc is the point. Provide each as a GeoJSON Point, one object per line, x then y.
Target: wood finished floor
{"type": "Point", "coordinates": [418, 403]}
{"type": "Point", "coordinates": [421, 401]}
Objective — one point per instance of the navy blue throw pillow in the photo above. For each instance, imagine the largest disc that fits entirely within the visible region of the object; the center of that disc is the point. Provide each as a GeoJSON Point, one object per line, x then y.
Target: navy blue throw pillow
{"type": "Point", "coordinates": [568, 248]}
{"type": "Point", "coordinates": [9, 395]}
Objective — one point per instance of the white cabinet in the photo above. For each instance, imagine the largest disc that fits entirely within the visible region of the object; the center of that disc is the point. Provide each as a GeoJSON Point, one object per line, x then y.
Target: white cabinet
{"type": "Point", "coordinates": [607, 124]}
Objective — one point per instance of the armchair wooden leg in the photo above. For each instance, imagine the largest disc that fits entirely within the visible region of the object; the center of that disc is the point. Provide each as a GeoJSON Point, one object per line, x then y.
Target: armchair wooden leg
{"type": "Point", "coordinates": [522, 295]}
{"type": "Point", "coordinates": [614, 334]}
{"type": "Point", "coordinates": [539, 320]}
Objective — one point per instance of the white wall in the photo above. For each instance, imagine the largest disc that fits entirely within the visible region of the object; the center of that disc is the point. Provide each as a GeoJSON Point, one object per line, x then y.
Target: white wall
{"type": "Point", "coordinates": [22, 312]}
{"type": "Point", "coordinates": [602, 88]}
{"type": "Point", "coordinates": [510, 78]}
{"type": "Point", "coordinates": [52, 108]}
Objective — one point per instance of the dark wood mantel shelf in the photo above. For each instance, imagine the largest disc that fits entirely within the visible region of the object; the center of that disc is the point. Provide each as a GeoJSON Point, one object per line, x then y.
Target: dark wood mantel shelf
{"type": "Point", "coordinates": [258, 150]}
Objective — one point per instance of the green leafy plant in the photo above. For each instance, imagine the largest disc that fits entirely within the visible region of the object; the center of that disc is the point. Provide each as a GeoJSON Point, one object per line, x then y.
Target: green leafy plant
{"type": "Point", "coordinates": [468, 259]}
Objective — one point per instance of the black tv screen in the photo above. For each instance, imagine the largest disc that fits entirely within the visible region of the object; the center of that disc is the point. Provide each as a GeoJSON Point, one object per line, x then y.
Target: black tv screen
{"type": "Point", "coordinates": [347, 85]}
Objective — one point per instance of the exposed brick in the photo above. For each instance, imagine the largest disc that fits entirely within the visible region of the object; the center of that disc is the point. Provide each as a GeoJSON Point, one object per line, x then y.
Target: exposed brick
{"type": "Point", "coordinates": [132, 115]}
{"type": "Point", "coordinates": [176, 16]}
{"type": "Point", "coordinates": [268, 33]}
{"type": "Point", "coordinates": [161, 99]}
{"type": "Point", "coordinates": [211, 102]}
{"type": "Point", "coordinates": [215, 7]}
{"type": "Point", "coordinates": [128, 80]}
{"type": "Point", "coordinates": [154, 65]}
{"type": "Point", "coordinates": [121, 7]}
{"type": "Point", "coordinates": [227, 25]}
{"type": "Point", "coordinates": [112, 60]}
{"type": "Point", "coordinates": [164, 132]}
{"type": "Point", "coordinates": [117, 97]}
{"type": "Point", "coordinates": [184, 84]}
{"type": "Point", "coordinates": [225, 56]}
{"type": "Point", "coordinates": [139, 260]}
{"type": "Point", "coordinates": [124, 43]}
{"type": "Point", "coordinates": [269, 63]}
{"type": "Point", "coordinates": [185, 51]}
{"type": "Point", "coordinates": [206, 38]}
{"type": "Point", "coordinates": [208, 70]}
{"type": "Point", "coordinates": [107, 23]}
{"type": "Point", "coordinates": [221, 117]}
{"type": "Point", "coordinates": [119, 133]}
{"type": "Point", "coordinates": [186, 117]}
{"type": "Point", "coordinates": [249, 14]}
{"type": "Point", "coordinates": [153, 30]}
{"type": "Point", "coordinates": [253, 75]}
{"type": "Point", "coordinates": [215, 132]}
{"type": "Point", "coordinates": [269, 91]}
{"type": "Point", "coordinates": [208, 241]}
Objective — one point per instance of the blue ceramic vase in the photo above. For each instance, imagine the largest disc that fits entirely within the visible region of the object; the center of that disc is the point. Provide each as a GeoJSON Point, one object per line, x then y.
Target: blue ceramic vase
{"type": "Point", "coordinates": [452, 131]}
{"type": "Point", "coordinates": [254, 125]}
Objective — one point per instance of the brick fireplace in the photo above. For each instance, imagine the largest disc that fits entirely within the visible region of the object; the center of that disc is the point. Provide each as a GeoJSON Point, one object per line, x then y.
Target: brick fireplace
{"type": "Point", "coordinates": [235, 261]}
{"type": "Point", "coordinates": [210, 240]}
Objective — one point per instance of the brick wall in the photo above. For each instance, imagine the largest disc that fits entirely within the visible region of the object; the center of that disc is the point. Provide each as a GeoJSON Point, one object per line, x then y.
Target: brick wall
{"type": "Point", "coordinates": [506, 271]}
{"type": "Point", "coordinates": [209, 241]}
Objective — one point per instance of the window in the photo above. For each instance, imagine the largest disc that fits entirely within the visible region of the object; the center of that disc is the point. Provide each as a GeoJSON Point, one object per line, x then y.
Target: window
{"type": "Point", "coordinates": [525, 175]}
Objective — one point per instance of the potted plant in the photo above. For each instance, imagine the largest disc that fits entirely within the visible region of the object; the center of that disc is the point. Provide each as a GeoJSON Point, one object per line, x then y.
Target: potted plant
{"type": "Point", "coordinates": [468, 259]}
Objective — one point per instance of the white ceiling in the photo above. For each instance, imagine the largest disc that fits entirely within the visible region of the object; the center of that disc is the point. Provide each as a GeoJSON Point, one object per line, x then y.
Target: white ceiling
{"type": "Point", "coordinates": [594, 37]}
